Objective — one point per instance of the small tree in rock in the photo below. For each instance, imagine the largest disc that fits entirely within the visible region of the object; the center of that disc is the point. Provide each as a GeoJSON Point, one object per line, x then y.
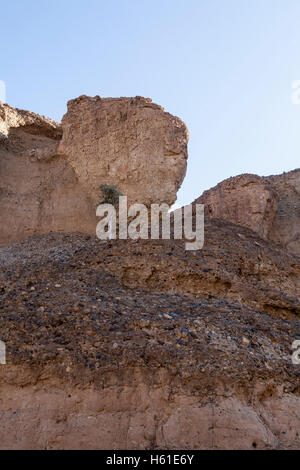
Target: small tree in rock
{"type": "Point", "coordinates": [110, 195]}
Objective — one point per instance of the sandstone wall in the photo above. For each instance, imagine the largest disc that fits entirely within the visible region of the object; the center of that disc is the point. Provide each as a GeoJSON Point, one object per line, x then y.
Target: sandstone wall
{"type": "Point", "coordinates": [144, 411]}
{"type": "Point", "coordinates": [286, 227]}
{"type": "Point", "coordinates": [50, 175]}
{"type": "Point", "coordinates": [130, 142]}
{"type": "Point", "coordinates": [268, 205]}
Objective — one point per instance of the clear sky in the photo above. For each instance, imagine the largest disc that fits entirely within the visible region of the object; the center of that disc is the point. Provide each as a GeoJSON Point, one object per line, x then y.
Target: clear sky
{"type": "Point", "coordinates": [223, 66]}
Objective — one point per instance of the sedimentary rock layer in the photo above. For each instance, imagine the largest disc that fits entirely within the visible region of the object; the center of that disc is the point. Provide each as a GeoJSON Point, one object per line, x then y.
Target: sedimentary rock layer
{"type": "Point", "coordinates": [268, 205]}
{"type": "Point", "coordinates": [50, 175]}
{"type": "Point", "coordinates": [142, 345]}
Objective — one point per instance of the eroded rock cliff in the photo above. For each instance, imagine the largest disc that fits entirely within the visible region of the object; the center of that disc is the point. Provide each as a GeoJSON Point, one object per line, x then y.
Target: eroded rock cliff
{"type": "Point", "coordinates": [50, 174]}
{"type": "Point", "coordinates": [139, 344]}
{"type": "Point", "coordinates": [268, 205]}
{"type": "Point", "coordinates": [142, 345]}
{"type": "Point", "coordinates": [129, 142]}
{"type": "Point", "coordinates": [286, 226]}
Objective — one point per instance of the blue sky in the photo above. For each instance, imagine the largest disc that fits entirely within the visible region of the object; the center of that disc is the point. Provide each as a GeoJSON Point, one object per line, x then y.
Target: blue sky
{"type": "Point", "coordinates": [224, 67]}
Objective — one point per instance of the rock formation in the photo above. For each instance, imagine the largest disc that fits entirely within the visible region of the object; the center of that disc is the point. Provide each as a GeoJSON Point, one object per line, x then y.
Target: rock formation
{"type": "Point", "coordinates": [286, 227]}
{"type": "Point", "coordinates": [129, 142]}
{"type": "Point", "coordinates": [139, 344]}
{"type": "Point", "coordinates": [50, 175]}
{"type": "Point", "coordinates": [142, 345]}
{"type": "Point", "coordinates": [39, 191]}
{"type": "Point", "coordinates": [268, 205]}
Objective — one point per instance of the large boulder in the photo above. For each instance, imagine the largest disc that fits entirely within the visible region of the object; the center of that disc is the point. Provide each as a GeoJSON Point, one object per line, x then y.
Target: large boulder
{"type": "Point", "coordinates": [50, 174]}
{"type": "Point", "coordinates": [128, 142]}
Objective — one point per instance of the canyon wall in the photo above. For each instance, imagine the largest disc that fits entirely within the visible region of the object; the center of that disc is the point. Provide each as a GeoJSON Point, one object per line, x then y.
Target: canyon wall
{"type": "Point", "coordinates": [268, 205]}
{"type": "Point", "coordinates": [50, 174]}
{"type": "Point", "coordinates": [140, 344]}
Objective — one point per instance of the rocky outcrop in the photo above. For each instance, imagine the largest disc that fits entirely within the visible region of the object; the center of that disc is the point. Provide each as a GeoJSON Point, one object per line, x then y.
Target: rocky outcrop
{"type": "Point", "coordinates": [50, 175]}
{"type": "Point", "coordinates": [142, 408]}
{"type": "Point", "coordinates": [246, 200]}
{"type": "Point", "coordinates": [139, 344]}
{"type": "Point", "coordinates": [129, 142]}
{"type": "Point", "coordinates": [39, 191]}
{"type": "Point", "coordinates": [12, 118]}
{"type": "Point", "coordinates": [286, 227]}
{"type": "Point", "coordinates": [268, 205]}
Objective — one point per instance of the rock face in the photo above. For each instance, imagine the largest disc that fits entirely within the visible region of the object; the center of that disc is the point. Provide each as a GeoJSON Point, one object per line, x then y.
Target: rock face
{"type": "Point", "coordinates": [50, 175]}
{"type": "Point", "coordinates": [286, 227]}
{"type": "Point", "coordinates": [139, 344]}
{"type": "Point", "coordinates": [129, 142]}
{"type": "Point", "coordinates": [139, 409]}
{"type": "Point", "coordinates": [39, 191]}
{"type": "Point", "coordinates": [246, 200]}
{"type": "Point", "coordinates": [11, 118]}
{"type": "Point", "coordinates": [142, 345]}
{"type": "Point", "coordinates": [268, 205]}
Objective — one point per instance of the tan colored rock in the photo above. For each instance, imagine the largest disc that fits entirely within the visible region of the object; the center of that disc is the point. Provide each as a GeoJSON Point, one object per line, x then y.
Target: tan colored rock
{"type": "Point", "coordinates": [246, 200]}
{"type": "Point", "coordinates": [132, 413]}
{"type": "Point", "coordinates": [129, 142]}
{"type": "Point", "coordinates": [141, 346]}
{"type": "Point", "coordinates": [30, 122]}
{"type": "Point", "coordinates": [39, 191]}
{"type": "Point", "coordinates": [269, 206]}
{"type": "Point", "coordinates": [286, 227]}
